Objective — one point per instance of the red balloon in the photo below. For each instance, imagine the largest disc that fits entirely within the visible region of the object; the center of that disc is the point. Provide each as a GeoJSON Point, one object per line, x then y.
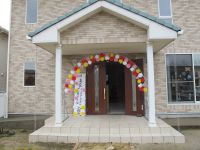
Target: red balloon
{"type": "Point", "coordinates": [142, 79]}
{"type": "Point", "coordinates": [112, 58]}
{"type": "Point", "coordinates": [135, 73]}
{"type": "Point", "coordinates": [74, 77]}
{"type": "Point", "coordinates": [66, 85]}
{"type": "Point", "coordinates": [75, 68]}
{"type": "Point", "coordinates": [101, 54]}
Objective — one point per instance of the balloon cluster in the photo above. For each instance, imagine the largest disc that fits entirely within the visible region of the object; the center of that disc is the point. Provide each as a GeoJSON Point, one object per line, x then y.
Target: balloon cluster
{"type": "Point", "coordinates": [85, 62]}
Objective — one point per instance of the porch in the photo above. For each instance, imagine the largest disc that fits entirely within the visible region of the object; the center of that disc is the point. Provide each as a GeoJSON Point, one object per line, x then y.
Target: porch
{"type": "Point", "coordinates": [106, 128]}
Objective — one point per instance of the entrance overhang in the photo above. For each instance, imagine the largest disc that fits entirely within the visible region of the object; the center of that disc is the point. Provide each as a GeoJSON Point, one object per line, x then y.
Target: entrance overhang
{"type": "Point", "coordinates": [158, 32]}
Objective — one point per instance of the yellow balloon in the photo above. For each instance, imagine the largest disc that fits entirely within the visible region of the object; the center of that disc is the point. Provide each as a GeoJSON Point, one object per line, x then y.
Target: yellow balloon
{"type": "Point", "coordinates": [78, 70]}
{"type": "Point", "coordinates": [120, 61]}
{"type": "Point", "coordinates": [83, 107]}
{"type": "Point", "coordinates": [75, 114]}
{"type": "Point", "coordinates": [139, 81]}
{"type": "Point", "coordinates": [138, 70]}
{"type": "Point", "coordinates": [91, 56]}
{"type": "Point", "coordinates": [145, 89]}
{"type": "Point", "coordinates": [102, 59]}
{"type": "Point", "coordinates": [85, 64]}
{"type": "Point", "coordinates": [70, 86]}
{"type": "Point", "coordinates": [75, 90]}
{"type": "Point", "coordinates": [82, 113]}
{"type": "Point", "coordinates": [69, 76]}
{"type": "Point", "coordinates": [111, 54]}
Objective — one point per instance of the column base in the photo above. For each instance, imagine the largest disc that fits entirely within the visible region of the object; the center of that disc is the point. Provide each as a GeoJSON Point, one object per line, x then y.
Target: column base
{"type": "Point", "coordinates": [58, 124]}
{"type": "Point", "coordinates": [152, 124]}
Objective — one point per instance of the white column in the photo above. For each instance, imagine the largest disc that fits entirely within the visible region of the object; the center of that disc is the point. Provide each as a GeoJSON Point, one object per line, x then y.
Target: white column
{"type": "Point", "coordinates": [151, 84]}
{"type": "Point", "coordinates": [58, 86]}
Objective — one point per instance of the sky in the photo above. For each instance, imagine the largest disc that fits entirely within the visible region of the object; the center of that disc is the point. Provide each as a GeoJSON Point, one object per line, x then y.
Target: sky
{"type": "Point", "coordinates": [5, 14]}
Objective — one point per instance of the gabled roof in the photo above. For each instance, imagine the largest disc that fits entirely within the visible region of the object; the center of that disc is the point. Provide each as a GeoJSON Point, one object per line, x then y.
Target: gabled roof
{"type": "Point", "coordinates": [121, 5]}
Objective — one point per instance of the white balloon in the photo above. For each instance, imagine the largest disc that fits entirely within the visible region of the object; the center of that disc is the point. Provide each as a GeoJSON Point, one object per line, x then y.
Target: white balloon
{"type": "Point", "coordinates": [72, 82]}
{"type": "Point", "coordinates": [96, 56]}
{"type": "Point", "coordinates": [124, 63]}
{"type": "Point", "coordinates": [72, 72]}
{"type": "Point", "coordinates": [66, 90]}
{"type": "Point", "coordinates": [140, 85]}
{"type": "Point", "coordinates": [89, 62]}
{"type": "Point", "coordinates": [140, 75]}
{"type": "Point", "coordinates": [117, 56]}
{"type": "Point", "coordinates": [132, 69]}
{"type": "Point", "coordinates": [79, 64]}
{"type": "Point", "coordinates": [107, 57]}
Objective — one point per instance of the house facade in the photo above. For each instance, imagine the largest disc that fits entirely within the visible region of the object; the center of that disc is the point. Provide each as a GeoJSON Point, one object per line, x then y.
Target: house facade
{"type": "Point", "coordinates": [3, 71]}
{"type": "Point", "coordinates": [49, 38]}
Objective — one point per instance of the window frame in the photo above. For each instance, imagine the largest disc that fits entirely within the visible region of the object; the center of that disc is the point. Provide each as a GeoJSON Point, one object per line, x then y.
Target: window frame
{"type": "Point", "coordinates": [36, 15]}
{"type": "Point", "coordinates": [27, 86]}
{"type": "Point", "coordinates": [165, 17]}
{"type": "Point", "coordinates": [194, 102]}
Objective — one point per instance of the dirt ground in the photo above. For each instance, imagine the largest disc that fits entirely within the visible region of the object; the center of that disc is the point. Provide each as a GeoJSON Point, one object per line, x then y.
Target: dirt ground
{"type": "Point", "coordinates": [19, 141]}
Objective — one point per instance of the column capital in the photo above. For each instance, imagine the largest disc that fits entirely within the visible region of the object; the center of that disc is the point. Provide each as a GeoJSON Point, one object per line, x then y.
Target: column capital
{"type": "Point", "coordinates": [149, 43]}
{"type": "Point", "coordinates": [59, 45]}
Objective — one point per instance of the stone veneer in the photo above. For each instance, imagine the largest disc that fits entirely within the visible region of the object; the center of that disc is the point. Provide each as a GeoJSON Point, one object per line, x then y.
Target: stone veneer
{"type": "Point", "coordinates": [40, 99]}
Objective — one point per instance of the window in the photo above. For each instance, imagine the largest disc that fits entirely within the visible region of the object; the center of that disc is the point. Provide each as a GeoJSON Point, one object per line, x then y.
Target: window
{"type": "Point", "coordinates": [31, 11]}
{"type": "Point", "coordinates": [29, 73]}
{"type": "Point", "coordinates": [165, 10]}
{"type": "Point", "coordinates": [183, 77]}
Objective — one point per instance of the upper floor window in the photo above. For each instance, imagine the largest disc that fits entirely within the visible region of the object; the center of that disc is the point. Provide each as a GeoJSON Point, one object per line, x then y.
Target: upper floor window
{"type": "Point", "coordinates": [29, 73]}
{"type": "Point", "coordinates": [165, 10]}
{"type": "Point", "coordinates": [31, 11]}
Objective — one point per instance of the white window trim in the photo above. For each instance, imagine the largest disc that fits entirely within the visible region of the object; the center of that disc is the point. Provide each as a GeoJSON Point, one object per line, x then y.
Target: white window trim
{"type": "Point", "coordinates": [195, 102]}
{"type": "Point", "coordinates": [26, 15]}
{"type": "Point", "coordinates": [26, 86]}
{"type": "Point", "coordinates": [165, 17]}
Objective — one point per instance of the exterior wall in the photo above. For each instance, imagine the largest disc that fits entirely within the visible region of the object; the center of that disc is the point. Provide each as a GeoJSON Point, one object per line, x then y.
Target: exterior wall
{"type": "Point", "coordinates": [40, 99]}
{"type": "Point", "coordinates": [3, 60]}
{"type": "Point", "coordinates": [186, 15]}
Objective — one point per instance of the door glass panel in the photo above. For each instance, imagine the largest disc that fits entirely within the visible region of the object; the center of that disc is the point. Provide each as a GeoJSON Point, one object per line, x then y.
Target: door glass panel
{"type": "Point", "coordinates": [96, 85]}
{"type": "Point", "coordinates": [134, 102]}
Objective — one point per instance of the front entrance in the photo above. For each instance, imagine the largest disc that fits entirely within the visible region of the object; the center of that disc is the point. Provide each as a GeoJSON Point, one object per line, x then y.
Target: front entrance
{"type": "Point", "coordinates": [111, 89]}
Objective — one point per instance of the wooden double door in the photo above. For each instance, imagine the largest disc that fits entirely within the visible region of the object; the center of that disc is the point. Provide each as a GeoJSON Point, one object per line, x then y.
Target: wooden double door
{"type": "Point", "coordinates": [111, 89]}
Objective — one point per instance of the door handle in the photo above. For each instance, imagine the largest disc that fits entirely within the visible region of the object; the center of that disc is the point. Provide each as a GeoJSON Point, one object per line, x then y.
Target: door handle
{"type": "Point", "coordinates": [104, 93]}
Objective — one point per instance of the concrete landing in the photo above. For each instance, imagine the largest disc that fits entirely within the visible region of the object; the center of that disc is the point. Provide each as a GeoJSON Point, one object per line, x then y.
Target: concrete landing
{"type": "Point", "coordinates": [106, 128]}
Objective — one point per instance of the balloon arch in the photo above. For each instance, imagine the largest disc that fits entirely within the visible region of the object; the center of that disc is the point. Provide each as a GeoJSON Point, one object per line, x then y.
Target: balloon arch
{"type": "Point", "coordinates": [86, 61]}
{"type": "Point", "coordinates": [72, 80]}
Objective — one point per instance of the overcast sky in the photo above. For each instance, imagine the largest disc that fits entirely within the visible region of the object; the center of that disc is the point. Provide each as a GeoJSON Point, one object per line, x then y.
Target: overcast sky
{"type": "Point", "coordinates": [5, 13]}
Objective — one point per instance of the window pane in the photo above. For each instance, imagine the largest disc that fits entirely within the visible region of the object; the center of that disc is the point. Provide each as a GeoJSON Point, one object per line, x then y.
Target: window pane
{"type": "Point", "coordinates": [180, 77]}
{"type": "Point", "coordinates": [134, 98]}
{"type": "Point", "coordinates": [29, 74]}
{"type": "Point", "coordinates": [179, 68]}
{"type": "Point", "coordinates": [31, 14]}
{"type": "Point", "coordinates": [96, 83]}
{"type": "Point", "coordinates": [181, 92]}
{"type": "Point", "coordinates": [164, 6]}
{"type": "Point", "coordinates": [196, 58]}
